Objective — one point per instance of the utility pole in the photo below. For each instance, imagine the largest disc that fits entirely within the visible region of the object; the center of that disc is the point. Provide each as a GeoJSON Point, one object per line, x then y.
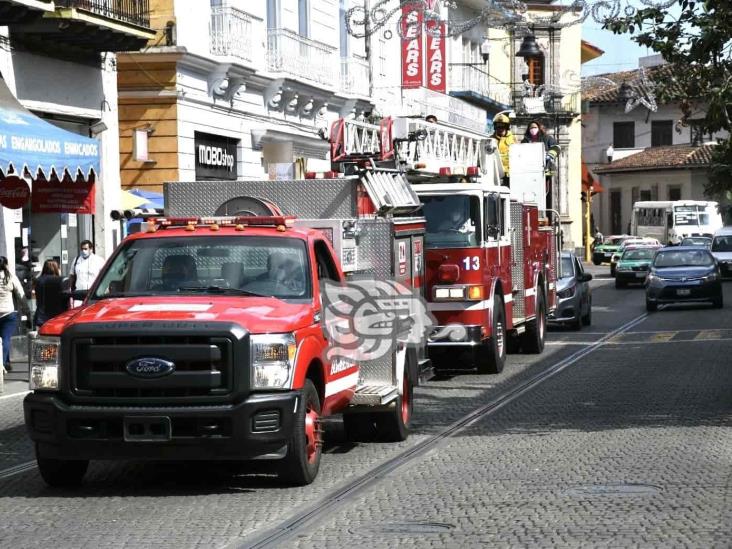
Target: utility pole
{"type": "Point", "coordinates": [588, 226]}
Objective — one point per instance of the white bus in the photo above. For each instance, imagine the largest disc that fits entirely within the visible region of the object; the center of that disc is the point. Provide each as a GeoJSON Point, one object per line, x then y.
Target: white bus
{"type": "Point", "coordinates": [670, 221]}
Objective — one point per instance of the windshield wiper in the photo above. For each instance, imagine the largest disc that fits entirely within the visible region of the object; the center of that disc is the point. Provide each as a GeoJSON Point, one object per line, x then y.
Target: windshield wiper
{"type": "Point", "coordinates": [218, 290]}
{"type": "Point", "coordinates": [123, 294]}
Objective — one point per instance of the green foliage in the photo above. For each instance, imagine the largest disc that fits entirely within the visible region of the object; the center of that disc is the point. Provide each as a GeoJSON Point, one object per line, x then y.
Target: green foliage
{"type": "Point", "coordinates": [696, 39]}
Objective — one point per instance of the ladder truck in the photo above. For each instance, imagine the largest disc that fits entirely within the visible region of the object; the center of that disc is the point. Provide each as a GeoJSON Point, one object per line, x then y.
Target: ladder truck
{"type": "Point", "coordinates": [492, 251]}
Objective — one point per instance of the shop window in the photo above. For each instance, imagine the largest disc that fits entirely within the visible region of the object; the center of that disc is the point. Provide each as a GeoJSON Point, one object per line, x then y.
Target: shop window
{"type": "Point", "coordinates": [624, 135]}
{"type": "Point", "coordinates": [661, 133]}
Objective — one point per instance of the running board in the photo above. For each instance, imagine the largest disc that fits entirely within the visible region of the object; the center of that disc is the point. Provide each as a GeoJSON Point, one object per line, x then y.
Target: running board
{"type": "Point", "coordinates": [374, 395]}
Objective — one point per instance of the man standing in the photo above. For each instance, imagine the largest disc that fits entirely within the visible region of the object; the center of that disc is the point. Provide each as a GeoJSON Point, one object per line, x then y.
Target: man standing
{"type": "Point", "coordinates": [502, 134]}
{"type": "Point", "coordinates": [85, 268]}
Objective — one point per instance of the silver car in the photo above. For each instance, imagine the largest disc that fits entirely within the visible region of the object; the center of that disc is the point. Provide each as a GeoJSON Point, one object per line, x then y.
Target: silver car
{"type": "Point", "coordinates": [574, 297]}
{"type": "Point", "coordinates": [722, 250]}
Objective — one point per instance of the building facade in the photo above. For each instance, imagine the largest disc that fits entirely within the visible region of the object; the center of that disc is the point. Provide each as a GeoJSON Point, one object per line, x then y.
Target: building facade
{"type": "Point", "coordinates": [643, 153]}
{"type": "Point", "coordinates": [238, 90]}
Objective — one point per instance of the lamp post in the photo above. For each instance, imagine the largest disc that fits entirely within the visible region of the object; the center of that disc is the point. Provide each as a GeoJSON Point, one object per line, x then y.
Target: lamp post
{"type": "Point", "coordinates": [588, 227]}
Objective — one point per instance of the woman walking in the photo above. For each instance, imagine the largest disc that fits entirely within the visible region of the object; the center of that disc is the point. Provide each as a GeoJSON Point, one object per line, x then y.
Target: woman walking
{"type": "Point", "coordinates": [50, 299]}
{"type": "Point", "coordinates": [9, 286]}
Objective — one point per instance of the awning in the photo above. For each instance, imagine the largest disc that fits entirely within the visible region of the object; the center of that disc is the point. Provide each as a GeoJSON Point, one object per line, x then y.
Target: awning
{"type": "Point", "coordinates": [29, 142]}
{"type": "Point", "coordinates": [130, 201]}
{"type": "Point", "coordinates": [588, 179]}
{"type": "Point", "coordinates": [152, 199]}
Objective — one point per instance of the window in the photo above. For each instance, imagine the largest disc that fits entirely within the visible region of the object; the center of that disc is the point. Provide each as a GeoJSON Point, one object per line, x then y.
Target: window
{"type": "Point", "coordinates": [326, 267]}
{"type": "Point", "coordinates": [453, 221]}
{"type": "Point", "coordinates": [536, 70]}
{"type": "Point", "coordinates": [624, 135]}
{"type": "Point", "coordinates": [645, 195]}
{"type": "Point", "coordinates": [674, 193]}
{"type": "Point", "coordinates": [493, 216]}
{"type": "Point", "coordinates": [634, 194]}
{"type": "Point", "coordinates": [661, 133]}
{"type": "Point", "coordinates": [344, 32]}
{"type": "Point", "coordinates": [303, 16]}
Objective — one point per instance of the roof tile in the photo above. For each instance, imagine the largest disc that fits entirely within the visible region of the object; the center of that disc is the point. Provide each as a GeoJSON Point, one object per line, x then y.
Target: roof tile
{"type": "Point", "coordinates": [657, 158]}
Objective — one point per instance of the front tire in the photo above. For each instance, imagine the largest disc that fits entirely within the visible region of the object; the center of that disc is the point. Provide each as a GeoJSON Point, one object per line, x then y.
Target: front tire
{"type": "Point", "coordinates": [532, 340]}
{"type": "Point", "coordinates": [587, 318]}
{"type": "Point", "coordinates": [491, 355]}
{"type": "Point", "coordinates": [61, 473]}
{"type": "Point", "coordinates": [301, 465]}
{"type": "Point", "coordinates": [718, 302]}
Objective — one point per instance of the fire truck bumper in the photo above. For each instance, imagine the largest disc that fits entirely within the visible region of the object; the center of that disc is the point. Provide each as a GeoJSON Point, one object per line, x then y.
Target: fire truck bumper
{"type": "Point", "coordinates": [259, 426]}
{"type": "Point", "coordinates": [445, 343]}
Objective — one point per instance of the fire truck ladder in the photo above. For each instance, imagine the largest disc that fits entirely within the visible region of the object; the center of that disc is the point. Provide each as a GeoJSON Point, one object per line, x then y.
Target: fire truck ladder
{"type": "Point", "coordinates": [430, 147]}
{"type": "Point", "coordinates": [353, 140]}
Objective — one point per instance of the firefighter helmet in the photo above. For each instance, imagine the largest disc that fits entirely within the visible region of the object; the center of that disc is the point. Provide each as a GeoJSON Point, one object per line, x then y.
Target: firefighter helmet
{"type": "Point", "coordinates": [501, 118]}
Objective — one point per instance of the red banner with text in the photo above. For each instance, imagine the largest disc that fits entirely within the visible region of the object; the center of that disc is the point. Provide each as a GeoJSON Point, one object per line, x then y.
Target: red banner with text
{"type": "Point", "coordinates": [59, 197]}
{"type": "Point", "coordinates": [435, 54]}
{"type": "Point", "coordinates": [412, 46]}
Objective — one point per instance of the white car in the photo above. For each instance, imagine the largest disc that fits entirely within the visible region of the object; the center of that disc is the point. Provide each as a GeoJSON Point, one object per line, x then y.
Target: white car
{"type": "Point", "coordinates": [635, 242]}
{"type": "Point", "coordinates": [722, 250]}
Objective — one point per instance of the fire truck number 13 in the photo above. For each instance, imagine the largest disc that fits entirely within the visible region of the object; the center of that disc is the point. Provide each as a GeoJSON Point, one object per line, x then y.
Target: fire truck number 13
{"type": "Point", "coordinates": [472, 263]}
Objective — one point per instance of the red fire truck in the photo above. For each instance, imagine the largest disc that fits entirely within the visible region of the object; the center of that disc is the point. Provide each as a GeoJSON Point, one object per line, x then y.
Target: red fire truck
{"type": "Point", "coordinates": [491, 251]}
{"type": "Point", "coordinates": [202, 337]}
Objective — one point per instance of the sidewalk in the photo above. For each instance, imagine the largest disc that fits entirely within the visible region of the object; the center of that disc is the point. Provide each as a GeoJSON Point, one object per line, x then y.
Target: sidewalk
{"type": "Point", "coordinates": [17, 380]}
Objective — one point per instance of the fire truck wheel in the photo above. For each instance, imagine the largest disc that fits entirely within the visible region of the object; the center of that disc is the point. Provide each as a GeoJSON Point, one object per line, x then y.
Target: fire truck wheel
{"type": "Point", "coordinates": [302, 462]}
{"type": "Point", "coordinates": [533, 338]}
{"type": "Point", "coordinates": [393, 426]}
{"type": "Point", "coordinates": [61, 472]}
{"type": "Point", "coordinates": [359, 427]}
{"type": "Point", "coordinates": [491, 357]}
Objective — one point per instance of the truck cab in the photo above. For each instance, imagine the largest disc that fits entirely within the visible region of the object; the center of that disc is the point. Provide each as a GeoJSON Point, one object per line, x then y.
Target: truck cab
{"type": "Point", "coordinates": [201, 339]}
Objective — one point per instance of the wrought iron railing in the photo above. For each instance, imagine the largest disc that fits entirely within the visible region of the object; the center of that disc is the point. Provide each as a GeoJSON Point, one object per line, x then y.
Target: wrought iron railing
{"type": "Point", "coordinates": [470, 77]}
{"type": "Point", "coordinates": [136, 12]}
{"type": "Point", "coordinates": [231, 32]}
{"type": "Point", "coordinates": [302, 57]}
{"type": "Point", "coordinates": [354, 76]}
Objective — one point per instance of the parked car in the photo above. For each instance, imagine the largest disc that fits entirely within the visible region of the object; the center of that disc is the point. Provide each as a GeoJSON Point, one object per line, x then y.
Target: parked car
{"type": "Point", "coordinates": [704, 241]}
{"type": "Point", "coordinates": [633, 241]}
{"type": "Point", "coordinates": [633, 265]}
{"type": "Point", "coordinates": [722, 250]}
{"type": "Point", "coordinates": [604, 251]}
{"type": "Point", "coordinates": [574, 297]}
{"type": "Point", "coordinates": [683, 274]}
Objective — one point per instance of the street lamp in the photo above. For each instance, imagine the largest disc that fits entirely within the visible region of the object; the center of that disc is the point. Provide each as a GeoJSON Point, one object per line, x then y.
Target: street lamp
{"type": "Point", "coordinates": [610, 152]}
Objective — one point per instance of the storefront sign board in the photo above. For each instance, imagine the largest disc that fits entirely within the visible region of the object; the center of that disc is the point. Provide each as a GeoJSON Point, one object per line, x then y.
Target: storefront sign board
{"type": "Point", "coordinates": [215, 156]}
{"type": "Point", "coordinates": [58, 197]}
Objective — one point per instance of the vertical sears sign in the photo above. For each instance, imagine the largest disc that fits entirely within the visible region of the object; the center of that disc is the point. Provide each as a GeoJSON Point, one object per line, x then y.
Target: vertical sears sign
{"type": "Point", "coordinates": [436, 73]}
{"type": "Point", "coordinates": [215, 156]}
{"type": "Point", "coordinates": [412, 45]}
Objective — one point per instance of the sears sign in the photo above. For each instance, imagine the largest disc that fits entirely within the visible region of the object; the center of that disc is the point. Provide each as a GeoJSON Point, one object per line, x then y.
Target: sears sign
{"type": "Point", "coordinates": [215, 156]}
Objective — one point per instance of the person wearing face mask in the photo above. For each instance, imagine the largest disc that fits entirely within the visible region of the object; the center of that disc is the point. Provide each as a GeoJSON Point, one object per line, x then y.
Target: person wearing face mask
{"type": "Point", "coordinates": [85, 268]}
{"type": "Point", "coordinates": [502, 134]}
{"type": "Point", "coordinates": [536, 133]}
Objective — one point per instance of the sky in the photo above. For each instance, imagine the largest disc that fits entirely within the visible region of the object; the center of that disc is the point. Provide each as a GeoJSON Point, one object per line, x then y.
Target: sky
{"type": "Point", "coordinates": [621, 53]}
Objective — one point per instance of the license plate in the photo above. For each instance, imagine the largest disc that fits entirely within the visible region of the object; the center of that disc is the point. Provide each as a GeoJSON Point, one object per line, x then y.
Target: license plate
{"type": "Point", "coordinates": [608, 255]}
{"type": "Point", "coordinates": [683, 292]}
{"type": "Point", "coordinates": [640, 275]}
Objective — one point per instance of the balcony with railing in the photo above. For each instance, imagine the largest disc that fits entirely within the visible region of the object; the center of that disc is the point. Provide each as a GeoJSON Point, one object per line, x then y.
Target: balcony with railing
{"type": "Point", "coordinates": [548, 99]}
{"type": "Point", "coordinates": [135, 12]}
{"type": "Point", "coordinates": [301, 58]}
{"type": "Point", "coordinates": [475, 85]}
{"type": "Point", "coordinates": [230, 32]}
{"type": "Point", "coordinates": [355, 76]}
{"type": "Point", "coordinates": [84, 28]}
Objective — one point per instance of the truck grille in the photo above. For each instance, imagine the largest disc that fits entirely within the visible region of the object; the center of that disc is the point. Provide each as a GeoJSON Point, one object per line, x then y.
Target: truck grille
{"type": "Point", "coordinates": [203, 366]}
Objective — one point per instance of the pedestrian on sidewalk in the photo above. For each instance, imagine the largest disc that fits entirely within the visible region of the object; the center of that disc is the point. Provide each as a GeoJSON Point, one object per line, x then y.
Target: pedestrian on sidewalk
{"type": "Point", "coordinates": [50, 298]}
{"type": "Point", "coordinates": [85, 268]}
{"type": "Point", "coordinates": [10, 289]}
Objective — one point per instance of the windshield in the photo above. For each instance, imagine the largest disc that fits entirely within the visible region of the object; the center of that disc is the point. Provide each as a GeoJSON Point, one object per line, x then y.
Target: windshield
{"type": "Point", "coordinates": [685, 258]}
{"type": "Point", "coordinates": [236, 265]}
{"type": "Point", "coordinates": [690, 215]}
{"type": "Point", "coordinates": [634, 255]}
{"type": "Point", "coordinates": [722, 244]}
{"type": "Point", "coordinates": [617, 241]}
{"type": "Point", "coordinates": [453, 221]}
{"type": "Point", "coordinates": [696, 241]}
{"type": "Point", "coordinates": [567, 268]}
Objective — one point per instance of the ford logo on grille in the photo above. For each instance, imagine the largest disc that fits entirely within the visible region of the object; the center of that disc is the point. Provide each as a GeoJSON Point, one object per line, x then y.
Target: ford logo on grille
{"type": "Point", "coordinates": [150, 367]}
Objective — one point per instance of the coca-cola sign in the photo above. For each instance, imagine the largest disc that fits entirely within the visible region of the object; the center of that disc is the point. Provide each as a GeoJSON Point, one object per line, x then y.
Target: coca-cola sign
{"type": "Point", "coordinates": [14, 192]}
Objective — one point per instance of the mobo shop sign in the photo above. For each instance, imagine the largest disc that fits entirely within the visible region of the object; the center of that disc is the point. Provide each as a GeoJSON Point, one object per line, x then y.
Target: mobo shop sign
{"type": "Point", "coordinates": [215, 156]}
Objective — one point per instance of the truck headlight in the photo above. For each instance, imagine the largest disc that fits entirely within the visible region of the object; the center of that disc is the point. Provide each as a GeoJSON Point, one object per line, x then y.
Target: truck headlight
{"type": "Point", "coordinates": [44, 363]}
{"type": "Point", "coordinates": [273, 360]}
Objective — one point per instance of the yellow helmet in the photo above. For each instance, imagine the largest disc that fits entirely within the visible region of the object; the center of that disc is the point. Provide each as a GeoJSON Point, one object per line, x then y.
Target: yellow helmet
{"type": "Point", "coordinates": [501, 118]}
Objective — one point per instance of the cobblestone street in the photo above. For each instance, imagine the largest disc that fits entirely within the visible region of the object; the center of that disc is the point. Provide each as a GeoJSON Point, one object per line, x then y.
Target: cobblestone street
{"type": "Point", "coordinates": [626, 443]}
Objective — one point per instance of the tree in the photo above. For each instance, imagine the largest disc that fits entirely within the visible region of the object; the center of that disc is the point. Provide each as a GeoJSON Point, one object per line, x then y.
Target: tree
{"type": "Point", "coordinates": [696, 39]}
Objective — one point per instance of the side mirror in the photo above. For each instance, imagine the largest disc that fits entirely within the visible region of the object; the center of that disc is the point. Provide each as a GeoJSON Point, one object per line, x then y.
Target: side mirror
{"type": "Point", "coordinates": [79, 295]}
{"type": "Point", "coordinates": [585, 277]}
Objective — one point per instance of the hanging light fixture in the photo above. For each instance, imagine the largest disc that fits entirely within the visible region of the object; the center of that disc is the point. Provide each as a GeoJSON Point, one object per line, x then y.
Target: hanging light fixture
{"type": "Point", "coordinates": [529, 48]}
{"type": "Point", "coordinates": [485, 49]}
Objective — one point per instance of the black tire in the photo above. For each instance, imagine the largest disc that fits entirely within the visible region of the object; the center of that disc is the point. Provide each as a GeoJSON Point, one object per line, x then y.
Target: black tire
{"type": "Point", "coordinates": [587, 318]}
{"type": "Point", "coordinates": [61, 473]}
{"type": "Point", "coordinates": [491, 354]}
{"type": "Point", "coordinates": [718, 302]}
{"type": "Point", "coordinates": [597, 262]}
{"type": "Point", "coordinates": [359, 427]}
{"type": "Point", "coordinates": [532, 340]}
{"type": "Point", "coordinates": [302, 462]}
{"type": "Point", "coordinates": [651, 307]}
{"type": "Point", "coordinates": [393, 426]}
{"type": "Point", "coordinates": [620, 284]}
